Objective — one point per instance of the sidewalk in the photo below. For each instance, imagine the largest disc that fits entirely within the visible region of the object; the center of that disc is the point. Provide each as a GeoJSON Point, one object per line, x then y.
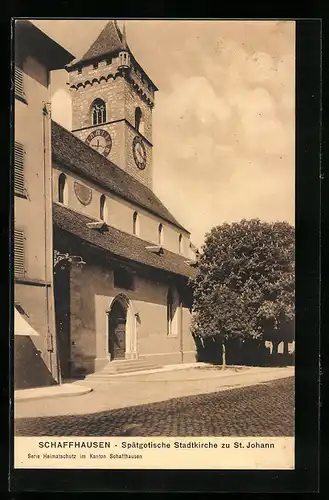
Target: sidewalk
{"type": "Point", "coordinates": [54, 391]}
{"type": "Point", "coordinates": [138, 389]}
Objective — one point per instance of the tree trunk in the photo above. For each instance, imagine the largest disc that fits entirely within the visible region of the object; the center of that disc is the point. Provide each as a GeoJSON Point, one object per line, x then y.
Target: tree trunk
{"type": "Point", "coordinates": [275, 344]}
{"type": "Point", "coordinates": [285, 348]}
{"type": "Point", "coordinates": [223, 355]}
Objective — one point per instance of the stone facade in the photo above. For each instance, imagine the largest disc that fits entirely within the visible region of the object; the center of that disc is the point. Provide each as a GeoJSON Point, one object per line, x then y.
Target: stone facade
{"type": "Point", "coordinates": [156, 302]}
{"type": "Point", "coordinates": [92, 292]}
{"type": "Point", "coordinates": [35, 360]}
{"type": "Point", "coordinates": [122, 95]}
{"type": "Point", "coordinates": [119, 213]}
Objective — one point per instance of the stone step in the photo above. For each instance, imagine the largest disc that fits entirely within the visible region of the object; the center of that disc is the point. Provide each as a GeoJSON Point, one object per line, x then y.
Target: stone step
{"type": "Point", "coordinates": [124, 366]}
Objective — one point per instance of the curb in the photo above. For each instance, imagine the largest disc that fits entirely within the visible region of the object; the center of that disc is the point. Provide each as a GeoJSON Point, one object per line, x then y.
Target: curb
{"type": "Point", "coordinates": [54, 394]}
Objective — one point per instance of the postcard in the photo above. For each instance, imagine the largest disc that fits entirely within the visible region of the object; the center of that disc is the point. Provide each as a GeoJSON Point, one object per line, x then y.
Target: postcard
{"type": "Point", "coordinates": [154, 243]}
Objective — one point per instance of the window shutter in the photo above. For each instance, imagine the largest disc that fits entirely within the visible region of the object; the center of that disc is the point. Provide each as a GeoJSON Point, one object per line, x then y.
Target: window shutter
{"type": "Point", "coordinates": [19, 82]}
{"type": "Point", "coordinates": [19, 252]}
{"type": "Point", "coordinates": [19, 185]}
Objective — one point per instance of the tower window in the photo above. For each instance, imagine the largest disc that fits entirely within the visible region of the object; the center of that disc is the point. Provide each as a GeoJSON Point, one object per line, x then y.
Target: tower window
{"type": "Point", "coordinates": [180, 241]}
{"type": "Point", "coordinates": [62, 189]}
{"type": "Point", "coordinates": [103, 208]}
{"type": "Point", "coordinates": [79, 70]}
{"type": "Point", "coordinates": [139, 123]}
{"type": "Point", "coordinates": [135, 224]}
{"type": "Point", "coordinates": [95, 65]}
{"type": "Point", "coordinates": [160, 234]}
{"type": "Point", "coordinates": [98, 112]}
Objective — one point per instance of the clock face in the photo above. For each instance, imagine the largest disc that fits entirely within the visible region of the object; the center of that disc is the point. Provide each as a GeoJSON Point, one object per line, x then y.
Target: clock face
{"type": "Point", "coordinates": [100, 140]}
{"type": "Point", "coordinates": [139, 152]}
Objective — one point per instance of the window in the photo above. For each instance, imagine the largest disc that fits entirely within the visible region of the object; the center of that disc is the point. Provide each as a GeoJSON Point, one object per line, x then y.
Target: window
{"type": "Point", "coordinates": [170, 312]}
{"type": "Point", "coordinates": [139, 123]}
{"type": "Point", "coordinates": [19, 185]}
{"type": "Point", "coordinates": [108, 61]}
{"type": "Point", "coordinates": [180, 241]}
{"type": "Point", "coordinates": [95, 65]}
{"type": "Point", "coordinates": [160, 234]}
{"type": "Point", "coordinates": [103, 208]}
{"type": "Point", "coordinates": [19, 83]}
{"type": "Point", "coordinates": [79, 70]}
{"type": "Point", "coordinates": [62, 189]}
{"type": "Point", "coordinates": [98, 112]}
{"type": "Point", "coordinates": [135, 224]}
{"type": "Point", "coordinates": [19, 253]}
{"type": "Point", "coordinates": [123, 279]}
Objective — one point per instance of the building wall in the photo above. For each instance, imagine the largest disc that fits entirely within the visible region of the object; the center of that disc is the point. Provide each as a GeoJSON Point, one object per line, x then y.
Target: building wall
{"type": "Point", "coordinates": [92, 291]}
{"type": "Point", "coordinates": [121, 99]}
{"type": "Point", "coordinates": [33, 211]}
{"type": "Point", "coordinates": [120, 214]}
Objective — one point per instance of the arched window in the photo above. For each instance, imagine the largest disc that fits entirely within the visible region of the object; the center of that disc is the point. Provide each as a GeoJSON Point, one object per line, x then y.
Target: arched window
{"type": "Point", "coordinates": [180, 241]}
{"type": "Point", "coordinates": [103, 208]}
{"type": "Point", "coordinates": [160, 234]}
{"type": "Point", "coordinates": [62, 189]}
{"type": "Point", "coordinates": [139, 123]}
{"type": "Point", "coordinates": [98, 112]}
{"type": "Point", "coordinates": [135, 223]}
{"type": "Point", "coordinates": [170, 312]}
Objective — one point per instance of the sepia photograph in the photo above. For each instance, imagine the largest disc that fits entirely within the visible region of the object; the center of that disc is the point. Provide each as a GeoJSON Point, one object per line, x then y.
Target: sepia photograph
{"type": "Point", "coordinates": [153, 174]}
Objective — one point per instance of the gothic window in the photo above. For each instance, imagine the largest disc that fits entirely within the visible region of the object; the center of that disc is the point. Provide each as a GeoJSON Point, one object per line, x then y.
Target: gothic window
{"type": "Point", "coordinates": [135, 223]}
{"type": "Point", "coordinates": [180, 239]}
{"type": "Point", "coordinates": [160, 234]}
{"type": "Point", "coordinates": [62, 189]}
{"type": "Point", "coordinates": [103, 208]}
{"type": "Point", "coordinates": [123, 279]}
{"type": "Point", "coordinates": [139, 123]}
{"type": "Point", "coordinates": [98, 112]}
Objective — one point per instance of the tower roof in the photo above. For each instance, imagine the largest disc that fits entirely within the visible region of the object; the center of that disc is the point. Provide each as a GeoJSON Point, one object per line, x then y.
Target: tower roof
{"type": "Point", "coordinates": [109, 41]}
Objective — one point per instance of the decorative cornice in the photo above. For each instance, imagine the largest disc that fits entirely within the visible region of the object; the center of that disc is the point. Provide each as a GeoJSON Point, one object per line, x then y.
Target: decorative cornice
{"type": "Point", "coordinates": [83, 83]}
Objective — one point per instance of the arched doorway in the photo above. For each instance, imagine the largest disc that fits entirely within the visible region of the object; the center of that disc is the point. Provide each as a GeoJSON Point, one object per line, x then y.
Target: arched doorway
{"type": "Point", "coordinates": [117, 330]}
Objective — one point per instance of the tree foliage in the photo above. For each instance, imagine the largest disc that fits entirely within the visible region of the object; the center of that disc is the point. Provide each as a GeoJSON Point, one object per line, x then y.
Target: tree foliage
{"type": "Point", "coordinates": [244, 287]}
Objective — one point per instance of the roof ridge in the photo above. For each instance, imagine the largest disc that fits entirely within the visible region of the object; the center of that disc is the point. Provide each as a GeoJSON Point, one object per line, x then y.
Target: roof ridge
{"type": "Point", "coordinates": [92, 217]}
{"type": "Point", "coordinates": [128, 177]}
{"type": "Point", "coordinates": [119, 243]}
{"type": "Point", "coordinates": [108, 41]}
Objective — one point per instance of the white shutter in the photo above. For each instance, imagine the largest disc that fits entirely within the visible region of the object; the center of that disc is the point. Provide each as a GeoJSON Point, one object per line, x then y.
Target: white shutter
{"type": "Point", "coordinates": [19, 185]}
{"type": "Point", "coordinates": [19, 83]}
{"type": "Point", "coordinates": [19, 252]}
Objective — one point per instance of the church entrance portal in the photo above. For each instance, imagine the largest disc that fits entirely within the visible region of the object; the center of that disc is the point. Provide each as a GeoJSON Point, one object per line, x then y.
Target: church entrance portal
{"type": "Point", "coordinates": [117, 331]}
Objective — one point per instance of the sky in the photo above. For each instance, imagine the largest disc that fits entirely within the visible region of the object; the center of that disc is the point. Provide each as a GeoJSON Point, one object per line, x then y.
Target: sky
{"type": "Point", "coordinates": [224, 116]}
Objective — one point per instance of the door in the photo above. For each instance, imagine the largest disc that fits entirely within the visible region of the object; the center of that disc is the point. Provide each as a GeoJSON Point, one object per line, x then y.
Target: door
{"type": "Point", "coordinates": [117, 332]}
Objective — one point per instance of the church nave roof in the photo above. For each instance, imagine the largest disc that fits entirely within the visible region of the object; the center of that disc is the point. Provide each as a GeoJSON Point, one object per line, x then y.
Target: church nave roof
{"type": "Point", "coordinates": [74, 154]}
{"type": "Point", "coordinates": [119, 243]}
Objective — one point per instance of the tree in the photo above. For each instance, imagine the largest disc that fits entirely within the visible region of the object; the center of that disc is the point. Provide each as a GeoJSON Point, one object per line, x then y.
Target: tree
{"type": "Point", "coordinates": [244, 287]}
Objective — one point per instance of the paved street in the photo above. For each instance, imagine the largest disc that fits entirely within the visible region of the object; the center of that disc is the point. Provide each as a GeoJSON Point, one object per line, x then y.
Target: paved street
{"type": "Point", "coordinates": [266, 409]}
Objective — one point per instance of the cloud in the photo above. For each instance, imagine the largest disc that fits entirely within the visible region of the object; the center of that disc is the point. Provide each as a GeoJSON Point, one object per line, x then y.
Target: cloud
{"type": "Point", "coordinates": [223, 124]}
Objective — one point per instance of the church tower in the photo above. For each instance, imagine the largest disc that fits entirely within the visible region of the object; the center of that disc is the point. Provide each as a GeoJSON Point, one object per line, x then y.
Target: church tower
{"type": "Point", "coordinates": [112, 101]}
